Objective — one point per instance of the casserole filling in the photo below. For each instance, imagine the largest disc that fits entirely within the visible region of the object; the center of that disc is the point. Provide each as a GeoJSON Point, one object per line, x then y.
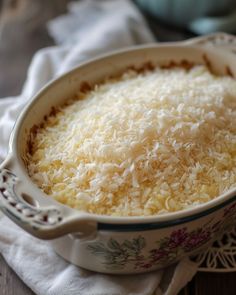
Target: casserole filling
{"type": "Point", "coordinates": [146, 143]}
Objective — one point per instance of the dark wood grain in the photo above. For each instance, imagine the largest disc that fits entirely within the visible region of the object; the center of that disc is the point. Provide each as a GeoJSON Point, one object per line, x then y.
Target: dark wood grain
{"type": "Point", "coordinates": [215, 284]}
{"type": "Point", "coordinates": [20, 40]}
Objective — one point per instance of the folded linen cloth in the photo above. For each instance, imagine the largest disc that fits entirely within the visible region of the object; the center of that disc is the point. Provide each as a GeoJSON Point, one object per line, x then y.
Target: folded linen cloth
{"type": "Point", "coordinates": [91, 28]}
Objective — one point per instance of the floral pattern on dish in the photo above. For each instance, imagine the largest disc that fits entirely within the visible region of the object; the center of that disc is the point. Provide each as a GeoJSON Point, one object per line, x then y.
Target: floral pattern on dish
{"type": "Point", "coordinates": [133, 252]}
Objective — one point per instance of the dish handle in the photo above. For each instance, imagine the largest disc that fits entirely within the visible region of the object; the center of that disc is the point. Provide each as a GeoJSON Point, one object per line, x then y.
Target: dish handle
{"type": "Point", "coordinates": [38, 215]}
{"type": "Point", "coordinates": [221, 41]}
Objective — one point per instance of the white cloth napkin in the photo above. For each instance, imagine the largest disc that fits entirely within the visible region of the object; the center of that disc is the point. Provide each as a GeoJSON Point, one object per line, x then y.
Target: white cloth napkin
{"type": "Point", "coordinates": [90, 28]}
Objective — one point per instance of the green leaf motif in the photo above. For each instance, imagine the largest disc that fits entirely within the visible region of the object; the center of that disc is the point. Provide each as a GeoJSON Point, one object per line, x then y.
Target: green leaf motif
{"type": "Point", "coordinates": [141, 242]}
{"type": "Point", "coordinates": [118, 255]}
{"type": "Point", "coordinates": [113, 244]}
{"type": "Point", "coordinates": [128, 244]}
{"type": "Point", "coordinates": [98, 248]}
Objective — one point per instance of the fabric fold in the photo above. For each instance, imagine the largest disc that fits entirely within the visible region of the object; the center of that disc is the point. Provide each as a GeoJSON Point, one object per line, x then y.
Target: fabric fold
{"type": "Point", "coordinates": [89, 29]}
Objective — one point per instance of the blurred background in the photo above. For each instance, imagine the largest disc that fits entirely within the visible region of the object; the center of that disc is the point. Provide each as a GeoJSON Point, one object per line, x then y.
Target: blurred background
{"type": "Point", "coordinates": [23, 28]}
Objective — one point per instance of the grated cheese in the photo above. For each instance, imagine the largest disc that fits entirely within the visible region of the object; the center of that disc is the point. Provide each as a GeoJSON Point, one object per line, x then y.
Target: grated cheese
{"type": "Point", "coordinates": [144, 144]}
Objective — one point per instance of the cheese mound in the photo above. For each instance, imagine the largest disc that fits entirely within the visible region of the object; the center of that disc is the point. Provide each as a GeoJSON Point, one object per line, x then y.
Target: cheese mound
{"type": "Point", "coordinates": [142, 144]}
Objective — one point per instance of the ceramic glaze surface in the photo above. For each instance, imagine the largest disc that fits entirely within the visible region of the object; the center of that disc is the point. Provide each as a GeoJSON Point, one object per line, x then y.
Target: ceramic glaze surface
{"type": "Point", "coordinates": [139, 251]}
{"type": "Point", "coordinates": [104, 243]}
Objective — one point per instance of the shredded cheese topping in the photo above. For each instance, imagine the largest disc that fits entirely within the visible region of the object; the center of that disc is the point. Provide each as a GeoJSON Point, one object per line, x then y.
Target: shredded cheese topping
{"type": "Point", "coordinates": [144, 144]}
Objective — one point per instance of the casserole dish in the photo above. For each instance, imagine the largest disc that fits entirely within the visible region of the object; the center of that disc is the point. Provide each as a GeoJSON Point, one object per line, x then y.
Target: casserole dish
{"type": "Point", "coordinates": [117, 245]}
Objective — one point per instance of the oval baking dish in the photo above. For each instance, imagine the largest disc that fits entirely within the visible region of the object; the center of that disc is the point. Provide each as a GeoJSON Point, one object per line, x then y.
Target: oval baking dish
{"type": "Point", "coordinates": [105, 243]}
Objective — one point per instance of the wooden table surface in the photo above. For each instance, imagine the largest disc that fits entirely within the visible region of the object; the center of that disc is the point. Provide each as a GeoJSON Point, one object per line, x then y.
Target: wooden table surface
{"type": "Point", "coordinates": [20, 39]}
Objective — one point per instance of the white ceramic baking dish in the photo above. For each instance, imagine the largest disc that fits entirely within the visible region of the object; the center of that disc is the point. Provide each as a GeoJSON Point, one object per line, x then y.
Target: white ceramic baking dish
{"type": "Point", "coordinates": [103, 243]}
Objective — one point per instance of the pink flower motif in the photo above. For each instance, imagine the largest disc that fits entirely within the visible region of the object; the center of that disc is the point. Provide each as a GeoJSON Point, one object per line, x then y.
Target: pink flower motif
{"type": "Point", "coordinates": [196, 239]}
{"type": "Point", "coordinates": [177, 238]}
{"type": "Point", "coordinates": [145, 265]}
{"type": "Point", "coordinates": [157, 254]}
{"type": "Point", "coordinates": [167, 248]}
